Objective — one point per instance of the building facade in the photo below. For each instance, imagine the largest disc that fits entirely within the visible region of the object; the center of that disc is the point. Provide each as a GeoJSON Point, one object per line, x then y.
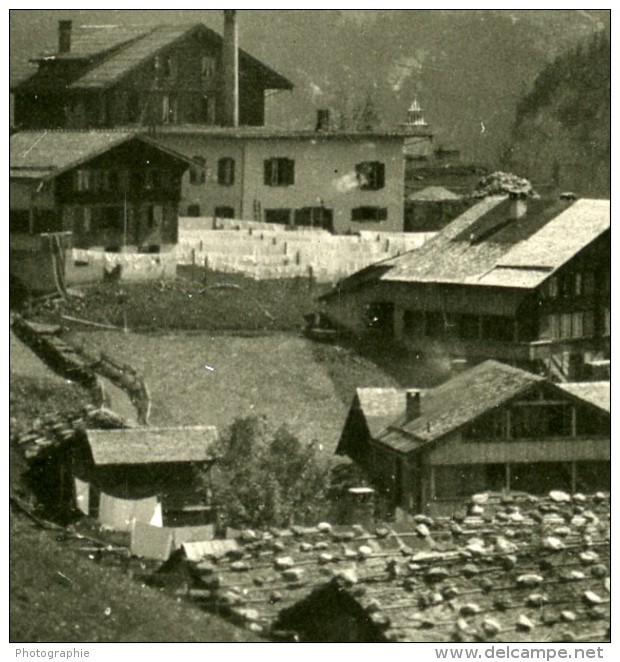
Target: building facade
{"type": "Point", "coordinates": [493, 428]}
{"type": "Point", "coordinates": [344, 182]}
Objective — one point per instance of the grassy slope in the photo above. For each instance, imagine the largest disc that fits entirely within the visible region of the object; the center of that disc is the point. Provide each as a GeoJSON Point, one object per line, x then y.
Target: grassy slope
{"type": "Point", "coordinates": [45, 607]}
{"type": "Point", "coordinates": [283, 377]}
{"type": "Point", "coordinates": [195, 301]}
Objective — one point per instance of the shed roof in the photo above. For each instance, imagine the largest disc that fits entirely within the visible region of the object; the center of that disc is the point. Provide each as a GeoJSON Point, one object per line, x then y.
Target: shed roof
{"type": "Point", "coordinates": [151, 445]}
{"type": "Point", "coordinates": [596, 393]}
{"type": "Point", "coordinates": [484, 247]}
{"type": "Point", "coordinates": [41, 154]}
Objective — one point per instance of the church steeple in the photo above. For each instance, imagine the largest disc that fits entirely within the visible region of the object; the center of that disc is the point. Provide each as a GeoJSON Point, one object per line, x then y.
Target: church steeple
{"type": "Point", "coordinates": [415, 118]}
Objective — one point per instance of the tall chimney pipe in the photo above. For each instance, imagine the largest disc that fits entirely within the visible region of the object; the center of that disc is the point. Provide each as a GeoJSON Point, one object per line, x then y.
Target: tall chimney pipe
{"type": "Point", "coordinates": [230, 67]}
{"type": "Point", "coordinates": [64, 36]}
{"type": "Point", "coordinates": [412, 405]}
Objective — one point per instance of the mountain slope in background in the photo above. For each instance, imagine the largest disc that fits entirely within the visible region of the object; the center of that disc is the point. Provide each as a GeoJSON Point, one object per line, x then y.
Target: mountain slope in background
{"type": "Point", "coordinates": [562, 129]}
{"type": "Point", "coordinates": [468, 68]}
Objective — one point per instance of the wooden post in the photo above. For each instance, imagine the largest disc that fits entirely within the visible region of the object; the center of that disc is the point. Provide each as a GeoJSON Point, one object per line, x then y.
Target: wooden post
{"type": "Point", "coordinates": [573, 477]}
{"type": "Point", "coordinates": [507, 480]}
{"type": "Point", "coordinates": [573, 422]}
{"type": "Point", "coordinates": [431, 474]}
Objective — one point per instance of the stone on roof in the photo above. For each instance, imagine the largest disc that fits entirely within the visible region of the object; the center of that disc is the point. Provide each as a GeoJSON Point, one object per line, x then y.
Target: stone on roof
{"type": "Point", "coordinates": [152, 445]}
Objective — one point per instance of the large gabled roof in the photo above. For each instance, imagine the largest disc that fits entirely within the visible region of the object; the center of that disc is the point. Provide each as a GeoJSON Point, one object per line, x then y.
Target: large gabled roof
{"type": "Point", "coordinates": [484, 247]}
{"type": "Point", "coordinates": [151, 445]}
{"type": "Point", "coordinates": [114, 51]}
{"type": "Point", "coordinates": [44, 154]}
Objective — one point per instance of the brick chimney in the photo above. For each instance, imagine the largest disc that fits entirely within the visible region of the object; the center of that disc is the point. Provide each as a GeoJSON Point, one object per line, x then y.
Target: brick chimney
{"type": "Point", "coordinates": [230, 68]}
{"type": "Point", "coordinates": [412, 405]}
{"type": "Point", "coordinates": [64, 36]}
{"type": "Point", "coordinates": [518, 206]}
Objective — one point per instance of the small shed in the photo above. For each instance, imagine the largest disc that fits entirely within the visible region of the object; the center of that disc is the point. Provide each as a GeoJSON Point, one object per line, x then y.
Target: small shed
{"type": "Point", "coordinates": [156, 476]}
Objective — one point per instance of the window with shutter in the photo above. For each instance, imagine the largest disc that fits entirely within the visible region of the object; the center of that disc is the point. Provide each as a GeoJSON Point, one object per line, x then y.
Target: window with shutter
{"type": "Point", "coordinates": [279, 172]}
{"type": "Point", "coordinates": [226, 171]}
{"type": "Point", "coordinates": [370, 175]}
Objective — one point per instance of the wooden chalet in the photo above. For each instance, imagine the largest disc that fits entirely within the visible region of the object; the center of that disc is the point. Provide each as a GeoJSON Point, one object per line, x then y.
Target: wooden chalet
{"type": "Point", "coordinates": [112, 75]}
{"type": "Point", "coordinates": [150, 475]}
{"type": "Point", "coordinates": [523, 281]}
{"type": "Point", "coordinates": [493, 427]}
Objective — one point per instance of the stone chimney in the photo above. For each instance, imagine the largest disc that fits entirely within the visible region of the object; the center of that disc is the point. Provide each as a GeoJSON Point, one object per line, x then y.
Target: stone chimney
{"type": "Point", "coordinates": [322, 119]}
{"type": "Point", "coordinates": [230, 68]}
{"type": "Point", "coordinates": [518, 206]}
{"type": "Point", "coordinates": [64, 36]}
{"type": "Point", "coordinates": [412, 405]}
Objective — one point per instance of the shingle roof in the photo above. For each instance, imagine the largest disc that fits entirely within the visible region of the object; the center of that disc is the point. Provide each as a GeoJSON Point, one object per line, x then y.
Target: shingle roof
{"type": "Point", "coordinates": [458, 401]}
{"type": "Point", "coordinates": [151, 445]}
{"type": "Point", "coordinates": [527, 570]}
{"type": "Point", "coordinates": [596, 393]}
{"type": "Point", "coordinates": [39, 154]}
{"type": "Point", "coordinates": [116, 50]}
{"type": "Point", "coordinates": [418, 584]}
{"type": "Point", "coordinates": [483, 247]}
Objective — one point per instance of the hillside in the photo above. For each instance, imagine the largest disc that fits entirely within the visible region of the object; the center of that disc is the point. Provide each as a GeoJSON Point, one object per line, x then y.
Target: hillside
{"type": "Point", "coordinates": [562, 133]}
{"type": "Point", "coordinates": [469, 68]}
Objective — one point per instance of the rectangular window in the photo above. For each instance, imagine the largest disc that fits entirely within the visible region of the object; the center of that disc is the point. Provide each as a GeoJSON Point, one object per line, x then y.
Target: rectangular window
{"type": "Point", "coordinates": [606, 322]}
{"type": "Point", "coordinates": [566, 325]}
{"type": "Point", "coordinates": [208, 69]}
{"type": "Point", "coordinates": [369, 214]}
{"type": "Point", "coordinates": [207, 110]}
{"type": "Point", "coordinates": [168, 109]}
{"type": "Point", "coordinates": [193, 210]}
{"type": "Point", "coordinates": [589, 283]}
{"type": "Point", "coordinates": [226, 171]}
{"type": "Point", "coordinates": [169, 68]}
{"type": "Point", "coordinates": [224, 212]}
{"type": "Point", "coordinates": [197, 174]}
{"type": "Point", "coordinates": [279, 216]}
{"type": "Point", "coordinates": [541, 420]}
{"type": "Point", "coordinates": [578, 284]}
{"type": "Point", "coordinates": [154, 216]}
{"type": "Point", "coordinates": [279, 172]}
{"type": "Point", "coordinates": [577, 325]}
{"type": "Point", "coordinates": [553, 287]}
{"type": "Point", "coordinates": [81, 180]}
{"type": "Point", "coordinates": [370, 175]}
{"type": "Point", "coordinates": [316, 217]}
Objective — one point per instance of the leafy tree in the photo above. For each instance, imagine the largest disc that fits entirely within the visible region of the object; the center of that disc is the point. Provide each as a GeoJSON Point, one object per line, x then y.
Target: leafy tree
{"type": "Point", "coordinates": [268, 478]}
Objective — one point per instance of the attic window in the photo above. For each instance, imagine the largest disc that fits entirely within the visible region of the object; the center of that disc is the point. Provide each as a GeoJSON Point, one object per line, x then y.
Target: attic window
{"type": "Point", "coordinates": [208, 67]}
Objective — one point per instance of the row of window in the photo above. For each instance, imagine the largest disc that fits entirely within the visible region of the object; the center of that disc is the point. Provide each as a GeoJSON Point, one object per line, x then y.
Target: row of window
{"type": "Point", "coordinates": [580, 324]}
{"type": "Point", "coordinates": [580, 283]}
{"type": "Point", "coordinates": [116, 218]}
{"type": "Point", "coordinates": [225, 171]}
{"type": "Point", "coordinates": [115, 180]}
{"type": "Point", "coordinates": [166, 68]}
{"type": "Point", "coordinates": [280, 171]}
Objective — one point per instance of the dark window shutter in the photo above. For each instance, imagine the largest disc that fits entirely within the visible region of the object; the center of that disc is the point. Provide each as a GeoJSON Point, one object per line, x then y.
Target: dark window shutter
{"type": "Point", "coordinates": [380, 174]}
{"type": "Point", "coordinates": [268, 171]}
{"type": "Point", "coordinates": [289, 171]}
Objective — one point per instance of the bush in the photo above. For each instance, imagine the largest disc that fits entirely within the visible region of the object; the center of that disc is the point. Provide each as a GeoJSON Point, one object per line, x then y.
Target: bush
{"type": "Point", "coordinates": [268, 478]}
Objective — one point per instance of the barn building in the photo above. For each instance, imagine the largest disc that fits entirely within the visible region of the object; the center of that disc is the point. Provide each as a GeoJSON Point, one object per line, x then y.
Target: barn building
{"type": "Point", "coordinates": [526, 282]}
{"type": "Point", "coordinates": [491, 428]}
